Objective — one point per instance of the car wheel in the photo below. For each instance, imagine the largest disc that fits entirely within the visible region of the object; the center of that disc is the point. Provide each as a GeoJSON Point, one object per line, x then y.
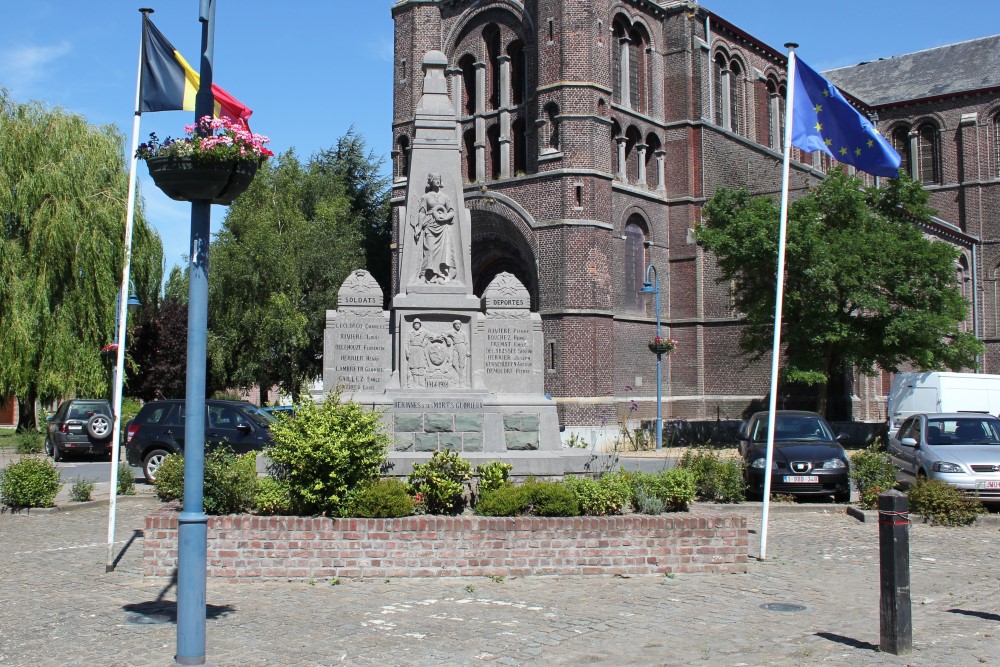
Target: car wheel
{"type": "Point", "coordinates": [152, 463]}
{"type": "Point", "coordinates": [842, 496]}
{"type": "Point", "coordinates": [56, 454]}
{"type": "Point", "coordinates": [48, 447]}
{"type": "Point", "coordinates": [99, 427]}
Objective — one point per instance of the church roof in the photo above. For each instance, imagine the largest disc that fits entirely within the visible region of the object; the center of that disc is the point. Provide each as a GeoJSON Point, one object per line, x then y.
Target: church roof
{"type": "Point", "coordinates": [941, 71]}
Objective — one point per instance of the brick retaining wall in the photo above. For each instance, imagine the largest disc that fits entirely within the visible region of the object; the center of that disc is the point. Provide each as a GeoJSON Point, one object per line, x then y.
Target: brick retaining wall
{"type": "Point", "coordinates": [249, 548]}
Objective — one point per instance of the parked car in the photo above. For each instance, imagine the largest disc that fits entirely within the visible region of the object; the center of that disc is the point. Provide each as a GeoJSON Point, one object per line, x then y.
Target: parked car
{"type": "Point", "coordinates": [79, 426]}
{"type": "Point", "coordinates": [960, 448]}
{"type": "Point", "coordinates": [158, 431]}
{"type": "Point", "coordinates": [808, 459]}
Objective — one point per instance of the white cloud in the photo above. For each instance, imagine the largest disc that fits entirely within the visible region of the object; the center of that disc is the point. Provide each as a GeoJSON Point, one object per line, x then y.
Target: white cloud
{"type": "Point", "coordinates": [29, 65]}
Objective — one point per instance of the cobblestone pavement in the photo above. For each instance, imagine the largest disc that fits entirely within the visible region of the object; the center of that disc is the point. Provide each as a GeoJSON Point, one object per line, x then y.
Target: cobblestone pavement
{"type": "Point", "coordinates": [58, 607]}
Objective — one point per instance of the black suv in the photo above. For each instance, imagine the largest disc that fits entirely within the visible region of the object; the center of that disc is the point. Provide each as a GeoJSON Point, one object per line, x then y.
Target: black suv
{"type": "Point", "coordinates": [80, 426]}
{"type": "Point", "coordinates": [158, 431]}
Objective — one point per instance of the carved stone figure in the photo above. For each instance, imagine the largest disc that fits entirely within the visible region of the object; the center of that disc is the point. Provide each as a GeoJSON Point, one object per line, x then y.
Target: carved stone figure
{"type": "Point", "coordinates": [416, 355]}
{"type": "Point", "coordinates": [434, 226]}
{"type": "Point", "coordinates": [460, 352]}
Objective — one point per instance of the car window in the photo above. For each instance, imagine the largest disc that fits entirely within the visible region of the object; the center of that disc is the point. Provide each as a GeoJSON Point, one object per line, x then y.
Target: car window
{"type": "Point", "coordinates": [222, 416]}
{"type": "Point", "coordinates": [963, 431]}
{"type": "Point", "coordinates": [257, 415]}
{"type": "Point", "coordinates": [907, 429]}
{"type": "Point", "coordinates": [156, 414]}
{"type": "Point", "coordinates": [85, 410]}
{"type": "Point", "coordinates": [793, 427]}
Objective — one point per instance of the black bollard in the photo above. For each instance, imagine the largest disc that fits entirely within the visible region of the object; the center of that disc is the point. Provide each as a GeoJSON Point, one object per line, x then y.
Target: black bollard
{"type": "Point", "coordinates": [896, 620]}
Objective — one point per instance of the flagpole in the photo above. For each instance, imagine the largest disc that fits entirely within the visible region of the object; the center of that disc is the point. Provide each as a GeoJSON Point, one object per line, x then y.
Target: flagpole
{"type": "Point", "coordinates": [779, 293]}
{"type": "Point", "coordinates": [123, 314]}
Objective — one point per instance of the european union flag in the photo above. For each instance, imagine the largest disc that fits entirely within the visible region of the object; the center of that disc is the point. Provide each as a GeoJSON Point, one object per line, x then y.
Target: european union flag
{"type": "Point", "coordinates": [823, 120]}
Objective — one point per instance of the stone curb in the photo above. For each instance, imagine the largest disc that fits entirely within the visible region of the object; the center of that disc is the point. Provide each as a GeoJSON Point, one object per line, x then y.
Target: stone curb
{"type": "Point", "coordinates": [871, 516]}
{"type": "Point", "coordinates": [72, 507]}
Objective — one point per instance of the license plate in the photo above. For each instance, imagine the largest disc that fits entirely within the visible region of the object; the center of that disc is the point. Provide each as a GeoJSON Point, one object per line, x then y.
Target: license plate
{"type": "Point", "coordinates": [801, 479]}
{"type": "Point", "coordinates": [991, 485]}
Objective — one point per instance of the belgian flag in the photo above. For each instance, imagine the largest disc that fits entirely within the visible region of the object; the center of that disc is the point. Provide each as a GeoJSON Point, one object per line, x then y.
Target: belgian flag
{"type": "Point", "coordinates": [169, 83]}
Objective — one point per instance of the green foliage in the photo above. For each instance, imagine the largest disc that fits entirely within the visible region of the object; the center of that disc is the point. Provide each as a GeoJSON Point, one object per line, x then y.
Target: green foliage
{"type": "Point", "coordinates": [609, 494]}
{"type": "Point", "coordinates": [230, 481]}
{"type": "Point", "coordinates": [30, 482]}
{"type": "Point", "coordinates": [551, 499]}
{"type": "Point", "coordinates": [274, 497]}
{"type": "Point", "coordinates": [503, 500]}
{"type": "Point", "coordinates": [82, 490]}
{"type": "Point", "coordinates": [126, 480]}
{"type": "Point", "coordinates": [28, 442]}
{"type": "Point", "coordinates": [63, 185]}
{"type": "Point", "coordinates": [671, 490]}
{"type": "Point", "coordinates": [942, 503]}
{"type": "Point", "coordinates": [384, 499]}
{"type": "Point", "coordinates": [492, 475]}
{"type": "Point", "coordinates": [439, 484]}
{"type": "Point", "coordinates": [169, 482]}
{"type": "Point", "coordinates": [326, 450]}
{"type": "Point", "coordinates": [864, 287]}
{"type": "Point", "coordinates": [716, 479]}
{"type": "Point", "coordinates": [159, 350]}
{"type": "Point", "coordinates": [872, 473]}
{"type": "Point", "coordinates": [226, 395]}
{"type": "Point", "coordinates": [311, 224]}
{"type": "Point", "coordinates": [647, 502]}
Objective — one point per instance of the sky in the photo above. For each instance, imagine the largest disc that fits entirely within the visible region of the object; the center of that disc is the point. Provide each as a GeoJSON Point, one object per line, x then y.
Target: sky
{"type": "Point", "coordinates": [313, 69]}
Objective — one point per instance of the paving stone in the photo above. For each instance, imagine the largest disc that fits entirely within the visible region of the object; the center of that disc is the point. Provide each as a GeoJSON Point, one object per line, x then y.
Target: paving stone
{"type": "Point", "coordinates": [59, 607]}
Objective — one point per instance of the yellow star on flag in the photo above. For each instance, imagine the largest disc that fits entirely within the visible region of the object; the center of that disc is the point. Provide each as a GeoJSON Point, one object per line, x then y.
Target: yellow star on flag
{"type": "Point", "coordinates": [826, 92]}
{"type": "Point", "coordinates": [871, 142]}
{"type": "Point", "coordinates": [828, 142]}
{"type": "Point", "coordinates": [819, 127]}
{"type": "Point", "coordinates": [818, 108]}
{"type": "Point", "coordinates": [843, 150]}
{"type": "Point", "coordinates": [857, 151]}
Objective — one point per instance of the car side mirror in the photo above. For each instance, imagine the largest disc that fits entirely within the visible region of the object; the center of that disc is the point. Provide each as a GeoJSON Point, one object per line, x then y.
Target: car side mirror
{"type": "Point", "coordinates": [908, 442]}
{"type": "Point", "coordinates": [244, 427]}
{"type": "Point", "coordinates": [842, 438]}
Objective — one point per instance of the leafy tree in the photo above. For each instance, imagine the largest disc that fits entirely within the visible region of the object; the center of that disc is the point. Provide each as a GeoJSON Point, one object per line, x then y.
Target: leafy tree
{"type": "Point", "coordinates": [863, 286]}
{"type": "Point", "coordinates": [63, 194]}
{"type": "Point", "coordinates": [285, 248]}
{"type": "Point", "coordinates": [159, 352]}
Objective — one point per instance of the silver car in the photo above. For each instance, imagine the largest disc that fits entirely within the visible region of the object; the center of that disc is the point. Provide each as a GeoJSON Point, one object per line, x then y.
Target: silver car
{"type": "Point", "coordinates": [960, 448]}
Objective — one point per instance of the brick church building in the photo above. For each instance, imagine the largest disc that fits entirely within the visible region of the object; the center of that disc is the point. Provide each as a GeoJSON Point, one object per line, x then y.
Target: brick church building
{"type": "Point", "coordinates": [592, 133]}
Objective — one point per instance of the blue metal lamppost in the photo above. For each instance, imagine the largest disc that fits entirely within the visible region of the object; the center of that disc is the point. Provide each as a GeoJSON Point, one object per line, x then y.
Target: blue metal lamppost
{"type": "Point", "coordinates": [652, 288]}
{"type": "Point", "coordinates": [192, 524]}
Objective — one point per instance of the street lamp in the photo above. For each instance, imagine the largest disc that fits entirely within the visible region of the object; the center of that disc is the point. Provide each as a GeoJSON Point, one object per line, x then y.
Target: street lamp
{"type": "Point", "coordinates": [652, 288]}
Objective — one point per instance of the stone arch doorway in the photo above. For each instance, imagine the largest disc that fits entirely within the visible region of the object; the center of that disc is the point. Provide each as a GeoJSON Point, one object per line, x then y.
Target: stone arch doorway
{"type": "Point", "coordinates": [497, 246]}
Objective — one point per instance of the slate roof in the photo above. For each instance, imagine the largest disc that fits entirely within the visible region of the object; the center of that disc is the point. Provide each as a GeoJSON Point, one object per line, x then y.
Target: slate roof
{"type": "Point", "coordinates": [944, 70]}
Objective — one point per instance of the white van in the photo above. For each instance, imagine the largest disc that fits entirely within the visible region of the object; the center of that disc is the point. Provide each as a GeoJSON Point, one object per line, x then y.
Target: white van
{"type": "Point", "coordinates": [942, 392]}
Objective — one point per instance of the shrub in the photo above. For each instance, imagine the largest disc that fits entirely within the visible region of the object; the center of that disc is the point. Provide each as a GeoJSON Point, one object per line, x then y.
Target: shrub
{"type": "Point", "coordinates": [274, 497]}
{"type": "Point", "coordinates": [609, 494]}
{"type": "Point", "coordinates": [126, 480]}
{"type": "Point", "coordinates": [30, 482]}
{"type": "Point", "coordinates": [440, 482]}
{"type": "Point", "coordinates": [169, 482]}
{"type": "Point", "coordinates": [82, 490]}
{"type": "Point", "coordinates": [674, 488]}
{"type": "Point", "coordinates": [327, 450]}
{"type": "Point", "coordinates": [384, 499]}
{"type": "Point", "coordinates": [872, 472]}
{"type": "Point", "coordinates": [230, 481]}
{"type": "Point", "coordinates": [715, 479]}
{"type": "Point", "coordinates": [493, 475]}
{"type": "Point", "coordinates": [942, 503]}
{"type": "Point", "coordinates": [551, 499]}
{"type": "Point", "coordinates": [647, 502]}
{"type": "Point", "coordinates": [503, 500]}
{"type": "Point", "coordinates": [28, 442]}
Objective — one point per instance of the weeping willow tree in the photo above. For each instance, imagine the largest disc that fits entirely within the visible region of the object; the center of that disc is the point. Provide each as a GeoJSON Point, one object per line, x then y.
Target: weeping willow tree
{"type": "Point", "coordinates": [63, 193]}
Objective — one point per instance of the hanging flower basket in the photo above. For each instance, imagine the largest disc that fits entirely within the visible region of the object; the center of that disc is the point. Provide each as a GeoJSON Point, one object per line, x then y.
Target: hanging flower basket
{"type": "Point", "coordinates": [661, 345]}
{"type": "Point", "coordinates": [191, 179]}
{"type": "Point", "coordinates": [216, 162]}
{"type": "Point", "coordinates": [109, 353]}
